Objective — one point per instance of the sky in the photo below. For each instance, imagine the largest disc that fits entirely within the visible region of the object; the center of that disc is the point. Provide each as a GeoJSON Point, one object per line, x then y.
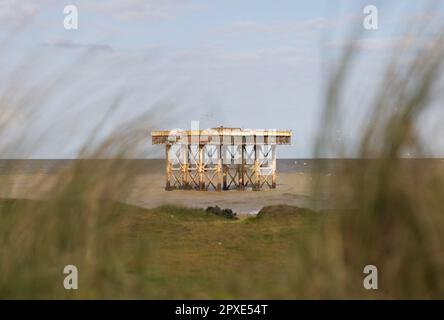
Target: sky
{"type": "Point", "coordinates": [250, 64]}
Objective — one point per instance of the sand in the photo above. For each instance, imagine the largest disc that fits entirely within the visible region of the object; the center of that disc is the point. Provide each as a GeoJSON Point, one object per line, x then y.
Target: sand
{"type": "Point", "coordinates": [292, 189]}
{"type": "Point", "coordinates": [148, 191]}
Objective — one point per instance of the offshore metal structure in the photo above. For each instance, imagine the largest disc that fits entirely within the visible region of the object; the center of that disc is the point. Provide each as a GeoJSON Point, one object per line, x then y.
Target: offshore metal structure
{"type": "Point", "coordinates": [221, 158]}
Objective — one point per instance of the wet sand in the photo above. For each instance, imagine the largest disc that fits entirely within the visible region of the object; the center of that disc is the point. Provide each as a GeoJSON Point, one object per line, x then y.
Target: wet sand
{"type": "Point", "coordinates": [148, 188]}
{"type": "Point", "coordinates": [148, 191]}
{"type": "Point", "coordinates": [292, 189]}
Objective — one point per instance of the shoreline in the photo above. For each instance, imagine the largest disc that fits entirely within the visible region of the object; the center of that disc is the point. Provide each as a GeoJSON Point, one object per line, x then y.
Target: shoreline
{"type": "Point", "coordinates": [33, 179]}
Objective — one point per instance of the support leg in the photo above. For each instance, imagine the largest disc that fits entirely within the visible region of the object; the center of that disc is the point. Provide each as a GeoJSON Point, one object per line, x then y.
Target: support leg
{"type": "Point", "coordinates": [273, 166]}
{"type": "Point", "coordinates": [168, 167]}
{"type": "Point", "coordinates": [224, 172]}
{"type": "Point", "coordinates": [242, 169]}
{"type": "Point", "coordinates": [219, 169]}
{"type": "Point", "coordinates": [201, 168]}
{"type": "Point", "coordinates": [185, 164]}
{"type": "Point", "coordinates": [256, 186]}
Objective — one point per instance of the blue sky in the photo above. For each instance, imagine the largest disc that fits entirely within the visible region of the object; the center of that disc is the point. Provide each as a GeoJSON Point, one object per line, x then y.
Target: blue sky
{"type": "Point", "coordinates": [252, 64]}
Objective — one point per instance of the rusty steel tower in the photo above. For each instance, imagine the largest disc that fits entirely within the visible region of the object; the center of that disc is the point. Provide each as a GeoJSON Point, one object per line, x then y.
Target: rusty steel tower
{"type": "Point", "coordinates": [221, 158]}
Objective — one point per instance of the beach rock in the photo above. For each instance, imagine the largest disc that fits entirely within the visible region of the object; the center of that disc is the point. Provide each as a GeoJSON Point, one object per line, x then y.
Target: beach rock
{"type": "Point", "coordinates": [227, 213]}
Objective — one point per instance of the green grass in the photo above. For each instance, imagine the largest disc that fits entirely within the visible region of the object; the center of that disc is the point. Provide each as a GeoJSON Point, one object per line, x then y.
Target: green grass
{"type": "Point", "coordinates": [194, 255]}
{"type": "Point", "coordinates": [167, 252]}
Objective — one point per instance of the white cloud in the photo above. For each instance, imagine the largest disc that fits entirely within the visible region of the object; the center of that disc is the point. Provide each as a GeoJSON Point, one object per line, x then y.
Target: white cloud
{"type": "Point", "coordinates": [379, 44]}
{"type": "Point", "coordinates": [140, 9]}
{"type": "Point", "coordinates": [19, 12]}
{"type": "Point", "coordinates": [16, 12]}
{"type": "Point", "coordinates": [66, 44]}
{"type": "Point", "coordinates": [278, 27]}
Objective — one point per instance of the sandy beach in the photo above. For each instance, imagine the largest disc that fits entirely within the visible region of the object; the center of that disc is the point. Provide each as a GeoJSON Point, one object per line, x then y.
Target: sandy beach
{"type": "Point", "coordinates": [292, 189]}
{"type": "Point", "coordinates": [148, 188]}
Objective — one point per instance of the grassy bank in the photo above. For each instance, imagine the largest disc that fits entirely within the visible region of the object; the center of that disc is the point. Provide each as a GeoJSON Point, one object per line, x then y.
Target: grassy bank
{"type": "Point", "coordinates": [168, 252]}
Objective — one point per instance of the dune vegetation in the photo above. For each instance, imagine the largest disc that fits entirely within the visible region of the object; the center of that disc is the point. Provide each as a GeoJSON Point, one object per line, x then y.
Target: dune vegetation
{"type": "Point", "coordinates": [169, 252]}
{"type": "Point", "coordinates": [385, 212]}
